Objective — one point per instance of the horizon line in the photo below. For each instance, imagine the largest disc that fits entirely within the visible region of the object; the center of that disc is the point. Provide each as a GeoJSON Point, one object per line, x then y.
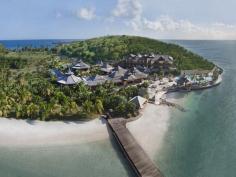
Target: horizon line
{"type": "Point", "coordinates": [162, 39]}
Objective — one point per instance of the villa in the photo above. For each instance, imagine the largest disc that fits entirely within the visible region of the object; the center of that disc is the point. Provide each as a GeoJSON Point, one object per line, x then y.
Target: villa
{"type": "Point", "coordinates": [139, 101]}
{"type": "Point", "coordinates": [150, 63]}
{"type": "Point", "coordinates": [81, 66]}
{"type": "Point", "coordinates": [96, 80]}
{"type": "Point", "coordinates": [69, 79]}
{"type": "Point", "coordinates": [106, 68]}
{"type": "Point", "coordinates": [119, 76]}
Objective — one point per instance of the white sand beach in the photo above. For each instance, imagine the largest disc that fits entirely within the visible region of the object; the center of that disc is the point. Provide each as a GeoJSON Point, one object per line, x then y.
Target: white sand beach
{"type": "Point", "coordinates": [149, 130]}
{"type": "Point", "coordinates": [15, 132]}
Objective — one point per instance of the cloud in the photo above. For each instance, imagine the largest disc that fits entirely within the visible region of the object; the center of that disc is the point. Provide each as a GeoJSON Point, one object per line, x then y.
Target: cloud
{"type": "Point", "coordinates": [86, 13]}
{"type": "Point", "coordinates": [127, 8]}
{"type": "Point", "coordinates": [131, 13]}
{"type": "Point", "coordinates": [167, 24]}
{"type": "Point", "coordinates": [131, 10]}
{"type": "Point", "coordinates": [186, 29]}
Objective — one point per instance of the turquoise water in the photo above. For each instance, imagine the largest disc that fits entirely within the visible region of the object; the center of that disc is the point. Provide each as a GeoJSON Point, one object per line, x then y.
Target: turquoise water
{"type": "Point", "coordinates": [98, 159]}
{"type": "Point", "coordinates": [199, 143]}
{"type": "Point", "coordinates": [202, 141]}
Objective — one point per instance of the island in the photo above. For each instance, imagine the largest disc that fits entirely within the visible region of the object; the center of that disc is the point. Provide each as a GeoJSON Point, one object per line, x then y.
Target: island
{"type": "Point", "coordinates": [83, 79]}
{"type": "Point", "coordinates": [123, 79]}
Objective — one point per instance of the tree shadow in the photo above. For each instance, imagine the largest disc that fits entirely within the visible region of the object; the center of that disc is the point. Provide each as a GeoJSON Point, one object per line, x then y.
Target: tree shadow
{"type": "Point", "coordinates": [30, 121]}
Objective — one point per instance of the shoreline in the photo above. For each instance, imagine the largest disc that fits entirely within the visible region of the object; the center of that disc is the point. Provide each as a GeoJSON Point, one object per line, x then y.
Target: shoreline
{"type": "Point", "coordinates": [25, 133]}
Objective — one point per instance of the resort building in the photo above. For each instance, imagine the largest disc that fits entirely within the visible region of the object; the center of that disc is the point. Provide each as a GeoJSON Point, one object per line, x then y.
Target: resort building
{"type": "Point", "coordinates": [118, 75]}
{"type": "Point", "coordinates": [56, 73]}
{"type": "Point", "coordinates": [81, 66]}
{"type": "Point", "coordinates": [96, 80]}
{"type": "Point", "coordinates": [134, 75]}
{"type": "Point", "coordinates": [99, 63]}
{"type": "Point", "coordinates": [196, 77]}
{"type": "Point", "coordinates": [106, 68]}
{"type": "Point", "coordinates": [150, 63]}
{"type": "Point", "coordinates": [139, 101]}
{"type": "Point", "coordinates": [69, 79]}
{"type": "Point", "coordinates": [195, 72]}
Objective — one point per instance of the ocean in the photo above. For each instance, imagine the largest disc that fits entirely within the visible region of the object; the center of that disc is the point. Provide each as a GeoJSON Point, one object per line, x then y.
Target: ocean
{"type": "Point", "coordinates": [200, 142]}
{"type": "Point", "coordinates": [15, 44]}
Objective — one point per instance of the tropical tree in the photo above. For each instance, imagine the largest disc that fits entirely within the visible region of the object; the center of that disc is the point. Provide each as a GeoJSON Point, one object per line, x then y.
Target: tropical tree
{"type": "Point", "coordinates": [99, 106]}
{"type": "Point", "coordinates": [88, 106]}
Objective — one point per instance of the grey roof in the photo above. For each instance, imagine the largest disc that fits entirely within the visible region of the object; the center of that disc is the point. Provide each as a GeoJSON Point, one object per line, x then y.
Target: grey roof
{"type": "Point", "coordinates": [132, 55]}
{"type": "Point", "coordinates": [56, 72]}
{"type": "Point", "coordinates": [165, 58]}
{"type": "Point", "coordinates": [129, 77]}
{"type": "Point", "coordinates": [96, 80]}
{"type": "Point", "coordinates": [139, 55]}
{"type": "Point", "coordinates": [139, 101]}
{"type": "Point", "coordinates": [81, 65]}
{"type": "Point", "coordinates": [119, 72]}
{"type": "Point", "coordinates": [69, 79]}
{"type": "Point", "coordinates": [153, 57]}
{"type": "Point", "coordinates": [138, 74]}
{"type": "Point", "coordinates": [106, 68]}
{"type": "Point", "coordinates": [99, 63]}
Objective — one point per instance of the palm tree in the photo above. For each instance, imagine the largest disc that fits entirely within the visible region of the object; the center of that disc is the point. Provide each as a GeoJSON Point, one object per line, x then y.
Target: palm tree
{"type": "Point", "coordinates": [32, 110]}
{"type": "Point", "coordinates": [99, 106]}
{"type": "Point", "coordinates": [87, 106]}
{"type": "Point", "coordinates": [25, 95]}
{"type": "Point", "coordinates": [18, 110]}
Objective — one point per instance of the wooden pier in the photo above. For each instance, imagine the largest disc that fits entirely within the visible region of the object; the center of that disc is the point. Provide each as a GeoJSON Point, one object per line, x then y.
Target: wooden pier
{"type": "Point", "coordinates": [138, 159]}
{"type": "Point", "coordinates": [177, 106]}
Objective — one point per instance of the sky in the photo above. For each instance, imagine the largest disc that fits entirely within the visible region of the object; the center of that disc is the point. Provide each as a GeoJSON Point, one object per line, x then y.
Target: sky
{"type": "Point", "coordinates": [81, 19]}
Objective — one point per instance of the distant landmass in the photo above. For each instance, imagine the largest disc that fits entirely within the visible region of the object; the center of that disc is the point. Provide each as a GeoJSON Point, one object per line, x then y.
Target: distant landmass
{"type": "Point", "coordinates": [34, 43]}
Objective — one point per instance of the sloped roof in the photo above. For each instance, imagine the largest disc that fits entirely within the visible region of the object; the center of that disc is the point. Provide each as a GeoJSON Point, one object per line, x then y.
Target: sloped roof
{"type": "Point", "coordinates": [130, 77]}
{"type": "Point", "coordinates": [69, 79]}
{"type": "Point", "coordinates": [138, 74]}
{"type": "Point", "coordinates": [56, 72]}
{"type": "Point", "coordinates": [139, 101]}
{"type": "Point", "coordinates": [106, 68]}
{"type": "Point", "coordinates": [81, 65]}
{"type": "Point", "coordinates": [99, 63]}
{"type": "Point", "coordinates": [119, 72]}
{"type": "Point", "coordinates": [96, 80]}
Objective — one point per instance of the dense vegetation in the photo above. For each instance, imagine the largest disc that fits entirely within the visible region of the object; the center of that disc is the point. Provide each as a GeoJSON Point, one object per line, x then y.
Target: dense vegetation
{"type": "Point", "coordinates": [27, 90]}
{"type": "Point", "coordinates": [114, 48]}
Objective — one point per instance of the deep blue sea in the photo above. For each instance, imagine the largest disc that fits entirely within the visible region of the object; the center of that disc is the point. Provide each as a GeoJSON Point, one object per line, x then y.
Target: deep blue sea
{"type": "Point", "coordinates": [199, 143]}
{"type": "Point", "coordinates": [14, 44]}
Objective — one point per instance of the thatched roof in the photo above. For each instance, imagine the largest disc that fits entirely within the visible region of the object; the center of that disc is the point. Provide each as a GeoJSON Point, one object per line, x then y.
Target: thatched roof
{"type": "Point", "coordinates": [138, 74]}
{"type": "Point", "coordinates": [96, 80]}
{"type": "Point", "coordinates": [119, 72]}
{"type": "Point", "coordinates": [81, 65]}
{"type": "Point", "coordinates": [106, 68]}
{"type": "Point", "coordinates": [69, 79]}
